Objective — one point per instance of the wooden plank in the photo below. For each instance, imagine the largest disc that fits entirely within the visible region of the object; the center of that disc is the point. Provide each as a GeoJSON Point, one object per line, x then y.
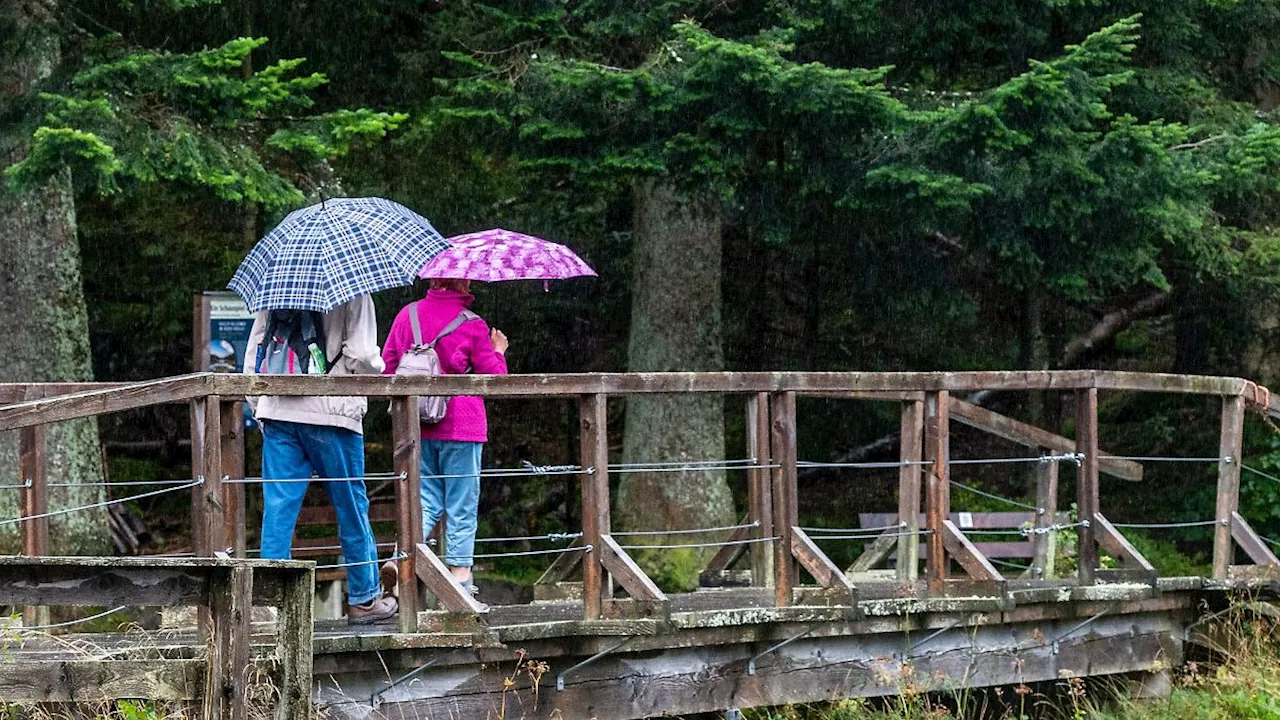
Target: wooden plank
{"type": "Point", "coordinates": [1118, 546]}
{"type": "Point", "coordinates": [973, 562]}
{"type": "Point", "coordinates": [232, 422]}
{"type": "Point", "coordinates": [879, 550]}
{"type": "Point", "coordinates": [782, 433]}
{"type": "Point", "coordinates": [626, 572]}
{"type": "Point", "coordinates": [1087, 480]}
{"type": "Point", "coordinates": [1230, 450]}
{"type": "Point", "coordinates": [39, 584]}
{"type": "Point", "coordinates": [380, 510]}
{"type": "Point", "coordinates": [1028, 435]}
{"type": "Point", "coordinates": [230, 605]}
{"type": "Point", "coordinates": [910, 478]}
{"type": "Point", "coordinates": [937, 450]}
{"type": "Point", "coordinates": [406, 430]}
{"type": "Point", "coordinates": [91, 681]}
{"type": "Point", "coordinates": [33, 502]}
{"type": "Point", "coordinates": [440, 582]}
{"type": "Point", "coordinates": [1044, 543]}
{"type": "Point", "coordinates": [295, 630]}
{"type": "Point", "coordinates": [1257, 550]}
{"type": "Point", "coordinates": [563, 565]}
{"type": "Point", "coordinates": [827, 573]}
{"type": "Point", "coordinates": [760, 489]}
{"type": "Point", "coordinates": [968, 520]}
{"type": "Point", "coordinates": [728, 553]}
{"type": "Point", "coordinates": [106, 400]}
{"type": "Point", "coordinates": [593, 417]}
{"type": "Point", "coordinates": [564, 385]}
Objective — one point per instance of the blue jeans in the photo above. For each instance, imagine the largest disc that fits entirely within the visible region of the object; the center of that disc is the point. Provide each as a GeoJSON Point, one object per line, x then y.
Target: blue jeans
{"type": "Point", "coordinates": [457, 495]}
{"type": "Point", "coordinates": [296, 450]}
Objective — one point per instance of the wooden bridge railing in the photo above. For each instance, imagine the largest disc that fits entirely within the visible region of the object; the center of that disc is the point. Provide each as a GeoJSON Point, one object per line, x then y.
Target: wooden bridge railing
{"type": "Point", "coordinates": [224, 589]}
{"type": "Point", "coordinates": [924, 474]}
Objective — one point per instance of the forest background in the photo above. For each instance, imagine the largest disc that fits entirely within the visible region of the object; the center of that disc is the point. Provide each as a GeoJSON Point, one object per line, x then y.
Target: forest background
{"type": "Point", "coordinates": [761, 185]}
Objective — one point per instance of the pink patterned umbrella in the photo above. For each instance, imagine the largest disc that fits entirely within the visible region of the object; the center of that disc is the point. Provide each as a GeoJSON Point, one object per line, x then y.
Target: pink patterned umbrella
{"type": "Point", "coordinates": [492, 255]}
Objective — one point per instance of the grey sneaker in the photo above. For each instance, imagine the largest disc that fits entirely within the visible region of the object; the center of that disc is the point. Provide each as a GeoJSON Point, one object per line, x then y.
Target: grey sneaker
{"type": "Point", "coordinates": [377, 610]}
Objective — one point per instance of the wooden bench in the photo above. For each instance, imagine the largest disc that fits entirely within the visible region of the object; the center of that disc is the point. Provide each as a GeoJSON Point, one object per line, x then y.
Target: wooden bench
{"type": "Point", "coordinates": [1006, 547]}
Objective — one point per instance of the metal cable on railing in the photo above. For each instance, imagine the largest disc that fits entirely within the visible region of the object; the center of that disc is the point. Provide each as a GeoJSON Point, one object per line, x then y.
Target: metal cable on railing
{"type": "Point", "coordinates": [687, 531]}
{"type": "Point", "coordinates": [1139, 458]}
{"type": "Point", "coordinates": [747, 541]}
{"type": "Point", "coordinates": [1258, 472]}
{"type": "Point", "coordinates": [874, 536]}
{"type": "Point", "coordinates": [689, 468]}
{"type": "Point", "coordinates": [34, 628]}
{"type": "Point", "coordinates": [993, 496]}
{"type": "Point", "coordinates": [320, 548]}
{"type": "Point", "coordinates": [524, 538]}
{"type": "Point", "coordinates": [522, 553]}
{"type": "Point", "coordinates": [104, 503]}
{"type": "Point", "coordinates": [885, 465]}
{"type": "Point", "coordinates": [1168, 525]}
{"type": "Point", "coordinates": [872, 530]}
{"type": "Point", "coordinates": [259, 480]}
{"type": "Point", "coordinates": [375, 561]}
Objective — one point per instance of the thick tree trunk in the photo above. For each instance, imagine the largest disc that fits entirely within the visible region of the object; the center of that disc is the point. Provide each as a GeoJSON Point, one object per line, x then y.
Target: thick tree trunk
{"type": "Point", "coordinates": [43, 321]}
{"type": "Point", "coordinates": [675, 326]}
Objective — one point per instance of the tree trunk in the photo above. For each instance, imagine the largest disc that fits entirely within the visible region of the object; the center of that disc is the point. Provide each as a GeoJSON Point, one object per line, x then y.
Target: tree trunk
{"type": "Point", "coordinates": [43, 320]}
{"type": "Point", "coordinates": [675, 326]}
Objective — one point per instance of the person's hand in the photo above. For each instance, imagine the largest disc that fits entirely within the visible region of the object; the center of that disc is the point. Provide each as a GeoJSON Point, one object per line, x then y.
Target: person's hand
{"type": "Point", "coordinates": [499, 341]}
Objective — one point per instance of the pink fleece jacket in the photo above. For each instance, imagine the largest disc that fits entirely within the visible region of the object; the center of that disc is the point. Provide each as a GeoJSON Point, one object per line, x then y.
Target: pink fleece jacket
{"type": "Point", "coordinates": [467, 347]}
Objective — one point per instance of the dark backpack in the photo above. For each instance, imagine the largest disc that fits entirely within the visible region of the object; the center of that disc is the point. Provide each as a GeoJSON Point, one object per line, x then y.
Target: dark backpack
{"type": "Point", "coordinates": [294, 344]}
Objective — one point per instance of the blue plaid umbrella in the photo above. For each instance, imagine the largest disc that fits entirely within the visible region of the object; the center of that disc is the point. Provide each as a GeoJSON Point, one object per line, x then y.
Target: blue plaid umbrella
{"type": "Point", "coordinates": [323, 255]}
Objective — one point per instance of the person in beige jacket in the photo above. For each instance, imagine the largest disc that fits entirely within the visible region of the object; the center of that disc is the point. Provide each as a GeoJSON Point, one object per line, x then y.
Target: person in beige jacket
{"type": "Point", "coordinates": [324, 436]}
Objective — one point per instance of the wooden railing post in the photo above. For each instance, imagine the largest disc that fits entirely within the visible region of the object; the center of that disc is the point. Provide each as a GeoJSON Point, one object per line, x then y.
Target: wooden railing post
{"type": "Point", "coordinates": [912, 429]}
{"type": "Point", "coordinates": [785, 501]}
{"type": "Point", "coordinates": [759, 490]}
{"type": "Point", "coordinates": [1087, 482]}
{"type": "Point", "coordinates": [232, 413]}
{"type": "Point", "coordinates": [594, 436]}
{"type": "Point", "coordinates": [937, 451]}
{"type": "Point", "coordinates": [1044, 542]}
{"type": "Point", "coordinates": [32, 443]}
{"type": "Point", "coordinates": [229, 604]}
{"type": "Point", "coordinates": [406, 432]}
{"type": "Point", "coordinates": [207, 509]}
{"type": "Point", "coordinates": [1230, 448]}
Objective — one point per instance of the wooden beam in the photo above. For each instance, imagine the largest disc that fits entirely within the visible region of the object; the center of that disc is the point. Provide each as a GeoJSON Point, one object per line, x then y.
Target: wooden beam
{"type": "Point", "coordinates": [1118, 546]}
{"type": "Point", "coordinates": [563, 565]}
{"type": "Point", "coordinates": [207, 508]}
{"type": "Point", "coordinates": [1029, 435]}
{"type": "Point", "coordinates": [733, 548]}
{"type": "Point", "coordinates": [232, 423]}
{"type": "Point", "coordinates": [230, 605]}
{"type": "Point", "coordinates": [295, 632]}
{"type": "Point", "coordinates": [827, 573]}
{"type": "Point", "coordinates": [1044, 543]}
{"type": "Point", "coordinates": [937, 450]}
{"type": "Point", "coordinates": [879, 550]}
{"type": "Point", "coordinates": [782, 412]}
{"type": "Point", "coordinates": [34, 502]}
{"type": "Point", "coordinates": [759, 489]}
{"type": "Point", "coordinates": [910, 477]}
{"type": "Point", "coordinates": [626, 572]}
{"type": "Point", "coordinates": [1253, 545]}
{"type": "Point", "coordinates": [593, 417]}
{"type": "Point", "coordinates": [107, 400]}
{"type": "Point", "coordinates": [70, 681]}
{"type": "Point", "coordinates": [1230, 449]}
{"type": "Point", "coordinates": [973, 562]}
{"type": "Point", "coordinates": [406, 458]}
{"type": "Point", "coordinates": [439, 581]}
{"type": "Point", "coordinates": [34, 584]}
{"type": "Point", "coordinates": [1087, 480]}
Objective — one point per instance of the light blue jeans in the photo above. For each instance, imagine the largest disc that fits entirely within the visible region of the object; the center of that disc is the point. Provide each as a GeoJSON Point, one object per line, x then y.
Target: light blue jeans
{"type": "Point", "coordinates": [296, 450]}
{"type": "Point", "coordinates": [451, 486]}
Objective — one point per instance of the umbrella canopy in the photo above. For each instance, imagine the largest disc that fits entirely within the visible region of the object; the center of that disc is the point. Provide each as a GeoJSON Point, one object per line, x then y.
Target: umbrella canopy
{"type": "Point", "coordinates": [492, 255]}
{"type": "Point", "coordinates": [323, 255]}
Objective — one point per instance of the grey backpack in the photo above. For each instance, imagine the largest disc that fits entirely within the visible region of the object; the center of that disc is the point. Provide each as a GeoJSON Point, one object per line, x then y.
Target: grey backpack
{"type": "Point", "coordinates": [421, 359]}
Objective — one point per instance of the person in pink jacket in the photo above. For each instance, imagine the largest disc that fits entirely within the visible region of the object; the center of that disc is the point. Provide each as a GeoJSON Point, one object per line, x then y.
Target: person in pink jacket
{"type": "Point", "coordinates": [451, 448]}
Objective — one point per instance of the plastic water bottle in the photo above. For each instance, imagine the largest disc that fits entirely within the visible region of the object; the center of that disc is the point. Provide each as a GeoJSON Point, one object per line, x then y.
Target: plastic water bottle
{"type": "Point", "coordinates": [317, 360]}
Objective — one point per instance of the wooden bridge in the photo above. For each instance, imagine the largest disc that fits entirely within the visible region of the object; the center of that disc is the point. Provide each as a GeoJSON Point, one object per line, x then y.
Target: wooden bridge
{"type": "Point", "coordinates": [611, 643]}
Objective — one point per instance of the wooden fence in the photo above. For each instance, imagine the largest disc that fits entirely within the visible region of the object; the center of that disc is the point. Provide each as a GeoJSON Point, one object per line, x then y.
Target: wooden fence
{"type": "Point", "coordinates": [927, 409]}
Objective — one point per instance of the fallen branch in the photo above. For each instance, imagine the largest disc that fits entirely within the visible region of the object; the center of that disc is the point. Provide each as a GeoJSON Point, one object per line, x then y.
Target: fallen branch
{"type": "Point", "coordinates": [1110, 325]}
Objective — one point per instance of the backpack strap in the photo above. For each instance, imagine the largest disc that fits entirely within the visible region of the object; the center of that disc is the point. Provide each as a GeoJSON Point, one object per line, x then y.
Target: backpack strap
{"type": "Point", "coordinates": [463, 316]}
{"type": "Point", "coordinates": [416, 324]}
